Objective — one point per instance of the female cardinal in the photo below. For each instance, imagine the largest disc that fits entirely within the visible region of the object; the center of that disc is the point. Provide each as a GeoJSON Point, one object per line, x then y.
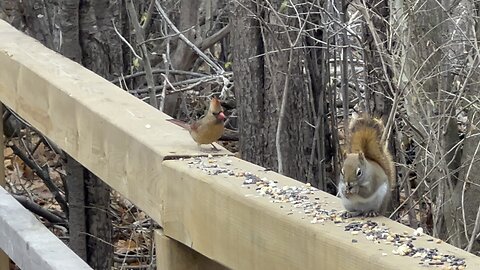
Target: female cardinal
{"type": "Point", "coordinates": [209, 128]}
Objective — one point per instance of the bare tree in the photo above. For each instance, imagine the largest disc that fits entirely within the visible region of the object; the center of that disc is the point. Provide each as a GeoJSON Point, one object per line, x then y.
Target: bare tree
{"type": "Point", "coordinates": [280, 112]}
{"type": "Point", "coordinates": [301, 69]}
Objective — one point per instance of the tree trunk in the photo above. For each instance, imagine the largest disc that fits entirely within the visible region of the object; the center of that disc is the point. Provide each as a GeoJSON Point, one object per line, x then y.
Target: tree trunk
{"type": "Point", "coordinates": [378, 70]}
{"type": "Point", "coordinates": [99, 225]}
{"type": "Point", "coordinates": [102, 49]}
{"type": "Point", "coordinates": [379, 90]}
{"type": "Point", "coordinates": [265, 66]}
{"type": "Point", "coordinates": [432, 110]}
{"type": "Point", "coordinates": [75, 191]}
{"type": "Point", "coordinates": [249, 82]}
{"type": "Point", "coordinates": [68, 19]}
{"type": "Point", "coordinates": [83, 31]}
{"type": "Point", "coordinates": [422, 32]}
{"type": "Point", "coordinates": [469, 174]}
{"type": "Point", "coordinates": [466, 196]}
{"type": "Point", "coordinates": [4, 260]}
{"type": "Point", "coordinates": [183, 56]}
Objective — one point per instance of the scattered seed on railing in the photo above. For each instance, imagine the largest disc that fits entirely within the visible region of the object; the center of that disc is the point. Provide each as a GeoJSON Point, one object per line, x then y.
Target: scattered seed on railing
{"type": "Point", "coordinates": [299, 197]}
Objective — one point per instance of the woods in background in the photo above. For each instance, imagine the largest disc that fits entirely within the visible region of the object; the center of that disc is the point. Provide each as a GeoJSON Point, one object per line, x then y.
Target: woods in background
{"type": "Point", "coordinates": [290, 74]}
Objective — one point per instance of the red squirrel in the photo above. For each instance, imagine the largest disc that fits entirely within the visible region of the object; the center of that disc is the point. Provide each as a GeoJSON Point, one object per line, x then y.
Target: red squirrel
{"type": "Point", "coordinates": [209, 128]}
{"type": "Point", "coordinates": [368, 172]}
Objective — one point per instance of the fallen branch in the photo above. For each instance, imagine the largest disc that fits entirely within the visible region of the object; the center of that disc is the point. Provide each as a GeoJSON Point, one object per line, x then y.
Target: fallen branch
{"type": "Point", "coordinates": [44, 175]}
{"type": "Point", "coordinates": [39, 210]}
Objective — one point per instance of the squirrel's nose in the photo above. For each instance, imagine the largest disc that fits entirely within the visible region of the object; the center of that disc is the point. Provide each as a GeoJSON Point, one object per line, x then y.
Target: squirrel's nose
{"type": "Point", "coordinates": [348, 189]}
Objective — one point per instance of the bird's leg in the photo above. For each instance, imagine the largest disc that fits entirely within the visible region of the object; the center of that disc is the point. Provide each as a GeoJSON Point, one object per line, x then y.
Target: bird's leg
{"type": "Point", "coordinates": [215, 148]}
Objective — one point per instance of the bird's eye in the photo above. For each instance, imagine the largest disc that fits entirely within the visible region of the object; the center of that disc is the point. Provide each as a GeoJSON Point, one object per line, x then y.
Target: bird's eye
{"type": "Point", "coordinates": [359, 172]}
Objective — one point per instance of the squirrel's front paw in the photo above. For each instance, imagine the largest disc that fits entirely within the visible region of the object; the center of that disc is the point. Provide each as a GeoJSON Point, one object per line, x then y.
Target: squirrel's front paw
{"type": "Point", "coordinates": [349, 214]}
{"type": "Point", "coordinates": [370, 214]}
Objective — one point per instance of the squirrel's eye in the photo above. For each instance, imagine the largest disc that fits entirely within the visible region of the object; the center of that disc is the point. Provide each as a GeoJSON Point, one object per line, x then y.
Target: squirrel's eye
{"type": "Point", "coordinates": [359, 172]}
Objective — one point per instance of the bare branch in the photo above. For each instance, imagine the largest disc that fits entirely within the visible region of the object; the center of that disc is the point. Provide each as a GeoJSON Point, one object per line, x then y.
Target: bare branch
{"type": "Point", "coordinates": [140, 37]}
{"type": "Point", "coordinates": [218, 69]}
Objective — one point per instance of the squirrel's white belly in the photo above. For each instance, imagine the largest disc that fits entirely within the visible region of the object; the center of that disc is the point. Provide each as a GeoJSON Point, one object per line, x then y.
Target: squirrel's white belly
{"type": "Point", "coordinates": [360, 204]}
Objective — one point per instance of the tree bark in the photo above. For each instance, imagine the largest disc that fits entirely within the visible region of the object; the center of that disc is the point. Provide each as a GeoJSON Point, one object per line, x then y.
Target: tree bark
{"type": "Point", "coordinates": [379, 87]}
{"type": "Point", "coordinates": [377, 61]}
{"type": "Point", "coordinates": [4, 260]}
{"type": "Point", "coordinates": [68, 20]}
{"type": "Point", "coordinates": [465, 202]}
{"type": "Point", "coordinates": [76, 202]}
{"type": "Point", "coordinates": [182, 57]}
{"type": "Point", "coordinates": [249, 81]}
{"type": "Point", "coordinates": [99, 225]}
{"type": "Point", "coordinates": [264, 64]}
{"type": "Point", "coordinates": [102, 49]}
{"type": "Point", "coordinates": [422, 32]}
{"type": "Point", "coordinates": [83, 31]}
{"type": "Point", "coordinates": [430, 107]}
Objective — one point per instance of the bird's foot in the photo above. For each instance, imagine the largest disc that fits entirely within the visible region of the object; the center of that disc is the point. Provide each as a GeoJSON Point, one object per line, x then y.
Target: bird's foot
{"type": "Point", "coordinates": [214, 148]}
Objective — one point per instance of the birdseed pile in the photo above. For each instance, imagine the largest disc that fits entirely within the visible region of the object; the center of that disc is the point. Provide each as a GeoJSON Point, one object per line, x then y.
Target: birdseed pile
{"type": "Point", "coordinates": [303, 199]}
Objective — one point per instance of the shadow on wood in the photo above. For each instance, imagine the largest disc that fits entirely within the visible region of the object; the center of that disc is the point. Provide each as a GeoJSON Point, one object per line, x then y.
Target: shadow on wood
{"type": "Point", "coordinates": [173, 255]}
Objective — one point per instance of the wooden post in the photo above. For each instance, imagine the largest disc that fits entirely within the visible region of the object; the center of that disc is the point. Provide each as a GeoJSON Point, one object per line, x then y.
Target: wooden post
{"type": "Point", "coordinates": [4, 260]}
{"type": "Point", "coordinates": [173, 255]}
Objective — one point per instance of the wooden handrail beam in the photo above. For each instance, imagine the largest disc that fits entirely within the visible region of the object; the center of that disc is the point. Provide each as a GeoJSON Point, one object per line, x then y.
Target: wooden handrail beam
{"type": "Point", "coordinates": [30, 244]}
{"type": "Point", "coordinates": [131, 147]}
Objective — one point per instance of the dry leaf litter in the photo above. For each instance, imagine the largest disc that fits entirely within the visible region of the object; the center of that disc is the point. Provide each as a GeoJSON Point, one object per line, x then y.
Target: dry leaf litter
{"type": "Point", "coordinates": [133, 229]}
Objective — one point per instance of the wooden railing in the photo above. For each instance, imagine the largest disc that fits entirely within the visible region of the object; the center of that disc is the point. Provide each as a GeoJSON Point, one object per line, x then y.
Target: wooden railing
{"type": "Point", "coordinates": [213, 213]}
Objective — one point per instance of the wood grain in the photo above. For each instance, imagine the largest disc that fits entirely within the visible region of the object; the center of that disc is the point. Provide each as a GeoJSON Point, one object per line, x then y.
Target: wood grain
{"type": "Point", "coordinates": [132, 147]}
{"type": "Point", "coordinates": [173, 255]}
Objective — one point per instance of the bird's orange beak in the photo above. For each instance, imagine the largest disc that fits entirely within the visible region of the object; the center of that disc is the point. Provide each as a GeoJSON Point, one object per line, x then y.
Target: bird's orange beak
{"type": "Point", "coordinates": [221, 116]}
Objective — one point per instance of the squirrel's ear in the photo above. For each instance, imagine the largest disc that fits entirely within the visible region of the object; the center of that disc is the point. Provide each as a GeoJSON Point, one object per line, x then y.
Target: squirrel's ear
{"type": "Point", "coordinates": [361, 158]}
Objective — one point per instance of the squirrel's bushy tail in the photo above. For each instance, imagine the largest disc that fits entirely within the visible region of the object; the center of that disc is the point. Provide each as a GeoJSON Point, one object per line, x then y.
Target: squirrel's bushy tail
{"type": "Point", "coordinates": [365, 136]}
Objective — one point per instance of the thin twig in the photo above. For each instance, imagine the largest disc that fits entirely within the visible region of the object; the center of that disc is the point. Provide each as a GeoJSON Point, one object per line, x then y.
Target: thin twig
{"type": "Point", "coordinates": [148, 16]}
{"type": "Point", "coordinates": [157, 71]}
{"type": "Point", "coordinates": [281, 116]}
{"type": "Point", "coordinates": [166, 62]}
{"type": "Point", "coordinates": [477, 220]}
{"type": "Point", "coordinates": [218, 69]}
{"type": "Point", "coordinates": [124, 40]}
{"type": "Point", "coordinates": [140, 37]}
{"type": "Point", "coordinates": [19, 177]}
{"type": "Point", "coordinates": [476, 229]}
{"type": "Point", "coordinates": [208, 78]}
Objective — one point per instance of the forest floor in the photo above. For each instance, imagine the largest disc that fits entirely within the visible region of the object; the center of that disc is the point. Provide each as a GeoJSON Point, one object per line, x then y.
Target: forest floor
{"type": "Point", "coordinates": [132, 228]}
